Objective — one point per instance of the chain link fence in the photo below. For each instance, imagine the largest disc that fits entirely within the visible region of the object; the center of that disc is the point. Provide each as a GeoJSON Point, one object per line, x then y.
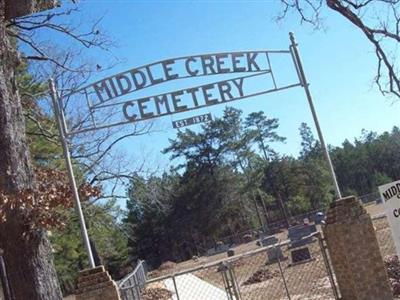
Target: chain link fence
{"type": "Point", "coordinates": [132, 286]}
{"type": "Point", "coordinates": [285, 270]}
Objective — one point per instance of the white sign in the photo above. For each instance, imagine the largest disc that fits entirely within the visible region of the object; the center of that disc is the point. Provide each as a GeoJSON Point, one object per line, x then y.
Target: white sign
{"type": "Point", "coordinates": [390, 194]}
{"type": "Point", "coordinates": [192, 120]}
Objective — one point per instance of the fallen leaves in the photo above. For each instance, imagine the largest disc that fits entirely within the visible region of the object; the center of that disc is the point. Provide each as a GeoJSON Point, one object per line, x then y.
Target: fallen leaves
{"type": "Point", "coordinates": [260, 276]}
{"type": "Point", "coordinates": [157, 294]}
{"type": "Point", "coordinates": [392, 264]}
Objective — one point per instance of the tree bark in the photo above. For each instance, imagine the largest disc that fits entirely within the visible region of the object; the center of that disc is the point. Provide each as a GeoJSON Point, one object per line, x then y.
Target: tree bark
{"type": "Point", "coordinates": [19, 8]}
{"type": "Point", "coordinates": [28, 258]}
{"type": "Point", "coordinates": [29, 264]}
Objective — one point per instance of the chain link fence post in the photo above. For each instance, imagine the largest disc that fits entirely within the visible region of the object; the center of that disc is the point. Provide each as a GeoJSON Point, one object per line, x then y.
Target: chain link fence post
{"type": "Point", "coordinates": [175, 287]}
{"type": "Point", "coordinates": [227, 283]}
{"type": "Point", "coordinates": [281, 270]}
{"type": "Point", "coordinates": [282, 274]}
{"type": "Point", "coordinates": [234, 283]}
{"type": "Point", "coordinates": [230, 281]}
{"type": "Point", "coordinates": [327, 265]}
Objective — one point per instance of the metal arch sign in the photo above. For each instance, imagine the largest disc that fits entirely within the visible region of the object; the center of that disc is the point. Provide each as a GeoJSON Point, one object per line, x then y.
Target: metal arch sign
{"type": "Point", "coordinates": [166, 70]}
{"type": "Point", "coordinates": [108, 104]}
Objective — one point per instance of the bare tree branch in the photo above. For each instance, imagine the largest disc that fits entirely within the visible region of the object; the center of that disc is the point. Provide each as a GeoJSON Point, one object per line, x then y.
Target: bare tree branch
{"type": "Point", "coordinates": [373, 36]}
{"type": "Point", "coordinates": [378, 20]}
{"type": "Point", "coordinates": [84, 33]}
{"type": "Point", "coordinates": [96, 154]}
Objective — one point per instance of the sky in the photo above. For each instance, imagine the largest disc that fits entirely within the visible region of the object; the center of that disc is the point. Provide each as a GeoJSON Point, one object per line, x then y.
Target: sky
{"type": "Point", "coordinates": [339, 64]}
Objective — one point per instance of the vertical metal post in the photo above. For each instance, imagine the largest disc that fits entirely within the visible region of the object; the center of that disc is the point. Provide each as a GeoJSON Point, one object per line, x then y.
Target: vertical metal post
{"type": "Point", "coordinates": [282, 274]}
{"type": "Point", "coordinates": [175, 287]}
{"type": "Point", "coordinates": [303, 81]}
{"type": "Point", "coordinates": [61, 124]}
{"type": "Point", "coordinates": [225, 278]}
{"type": "Point", "coordinates": [235, 284]}
{"type": "Point", "coordinates": [327, 265]}
{"type": "Point", "coordinates": [137, 288]}
{"type": "Point", "coordinates": [132, 288]}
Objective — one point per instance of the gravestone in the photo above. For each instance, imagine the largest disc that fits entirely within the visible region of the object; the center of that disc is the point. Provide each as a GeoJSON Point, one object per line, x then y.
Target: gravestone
{"type": "Point", "coordinates": [247, 238]}
{"type": "Point", "coordinates": [218, 249]}
{"type": "Point", "coordinates": [319, 217]}
{"type": "Point", "coordinates": [299, 235]}
{"type": "Point", "coordinates": [300, 255]}
{"type": "Point", "coordinates": [274, 254]}
{"type": "Point", "coordinates": [267, 241]}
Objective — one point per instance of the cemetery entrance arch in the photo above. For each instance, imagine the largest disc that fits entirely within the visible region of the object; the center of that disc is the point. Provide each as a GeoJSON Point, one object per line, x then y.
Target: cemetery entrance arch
{"type": "Point", "coordinates": [106, 103]}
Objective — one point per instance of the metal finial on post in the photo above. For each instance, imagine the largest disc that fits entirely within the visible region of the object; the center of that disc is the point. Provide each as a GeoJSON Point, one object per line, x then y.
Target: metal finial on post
{"type": "Point", "coordinates": [292, 38]}
{"type": "Point", "coordinates": [61, 124]}
{"type": "Point", "coordinates": [303, 80]}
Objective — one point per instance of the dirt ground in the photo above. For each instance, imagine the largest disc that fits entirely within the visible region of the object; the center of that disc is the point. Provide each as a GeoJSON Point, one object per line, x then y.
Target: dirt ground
{"type": "Point", "coordinates": [372, 209]}
{"type": "Point", "coordinates": [375, 209]}
{"type": "Point", "coordinates": [305, 281]}
{"type": "Point", "coordinates": [302, 280]}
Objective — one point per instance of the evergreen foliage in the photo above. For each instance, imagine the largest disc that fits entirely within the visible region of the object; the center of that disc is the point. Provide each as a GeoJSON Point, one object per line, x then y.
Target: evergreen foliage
{"type": "Point", "coordinates": [108, 240]}
{"type": "Point", "coordinates": [230, 180]}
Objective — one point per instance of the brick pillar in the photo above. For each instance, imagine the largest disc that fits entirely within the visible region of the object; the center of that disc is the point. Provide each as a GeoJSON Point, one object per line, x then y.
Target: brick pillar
{"type": "Point", "coordinates": [355, 253]}
{"type": "Point", "coordinates": [96, 284]}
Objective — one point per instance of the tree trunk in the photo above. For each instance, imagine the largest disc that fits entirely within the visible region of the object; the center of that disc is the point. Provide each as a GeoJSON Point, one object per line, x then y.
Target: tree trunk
{"type": "Point", "coordinates": [19, 8]}
{"type": "Point", "coordinates": [283, 210]}
{"type": "Point", "coordinates": [258, 213]}
{"type": "Point", "coordinates": [28, 258]}
{"type": "Point", "coordinates": [29, 264]}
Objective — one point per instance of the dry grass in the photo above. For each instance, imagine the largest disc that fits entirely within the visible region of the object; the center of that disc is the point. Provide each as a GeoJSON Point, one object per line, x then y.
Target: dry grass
{"type": "Point", "coordinates": [372, 209]}
{"type": "Point", "coordinates": [307, 281]}
{"type": "Point", "coordinates": [302, 280]}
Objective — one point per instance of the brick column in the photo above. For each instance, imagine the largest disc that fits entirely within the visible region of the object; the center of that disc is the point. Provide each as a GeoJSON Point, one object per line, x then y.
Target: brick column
{"type": "Point", "coordinates": [96, 284]}
{"type": "Point", "coordinates": [354, 252]}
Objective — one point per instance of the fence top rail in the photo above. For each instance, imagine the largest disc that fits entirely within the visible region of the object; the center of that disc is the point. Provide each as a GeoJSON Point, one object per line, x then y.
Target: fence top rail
{"type": "Point", "coordinates": [139, 265]}
{"type": "Point", "coordinates": [378, 216]}
{"type": "Point", "coordinates": [230, 259]}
